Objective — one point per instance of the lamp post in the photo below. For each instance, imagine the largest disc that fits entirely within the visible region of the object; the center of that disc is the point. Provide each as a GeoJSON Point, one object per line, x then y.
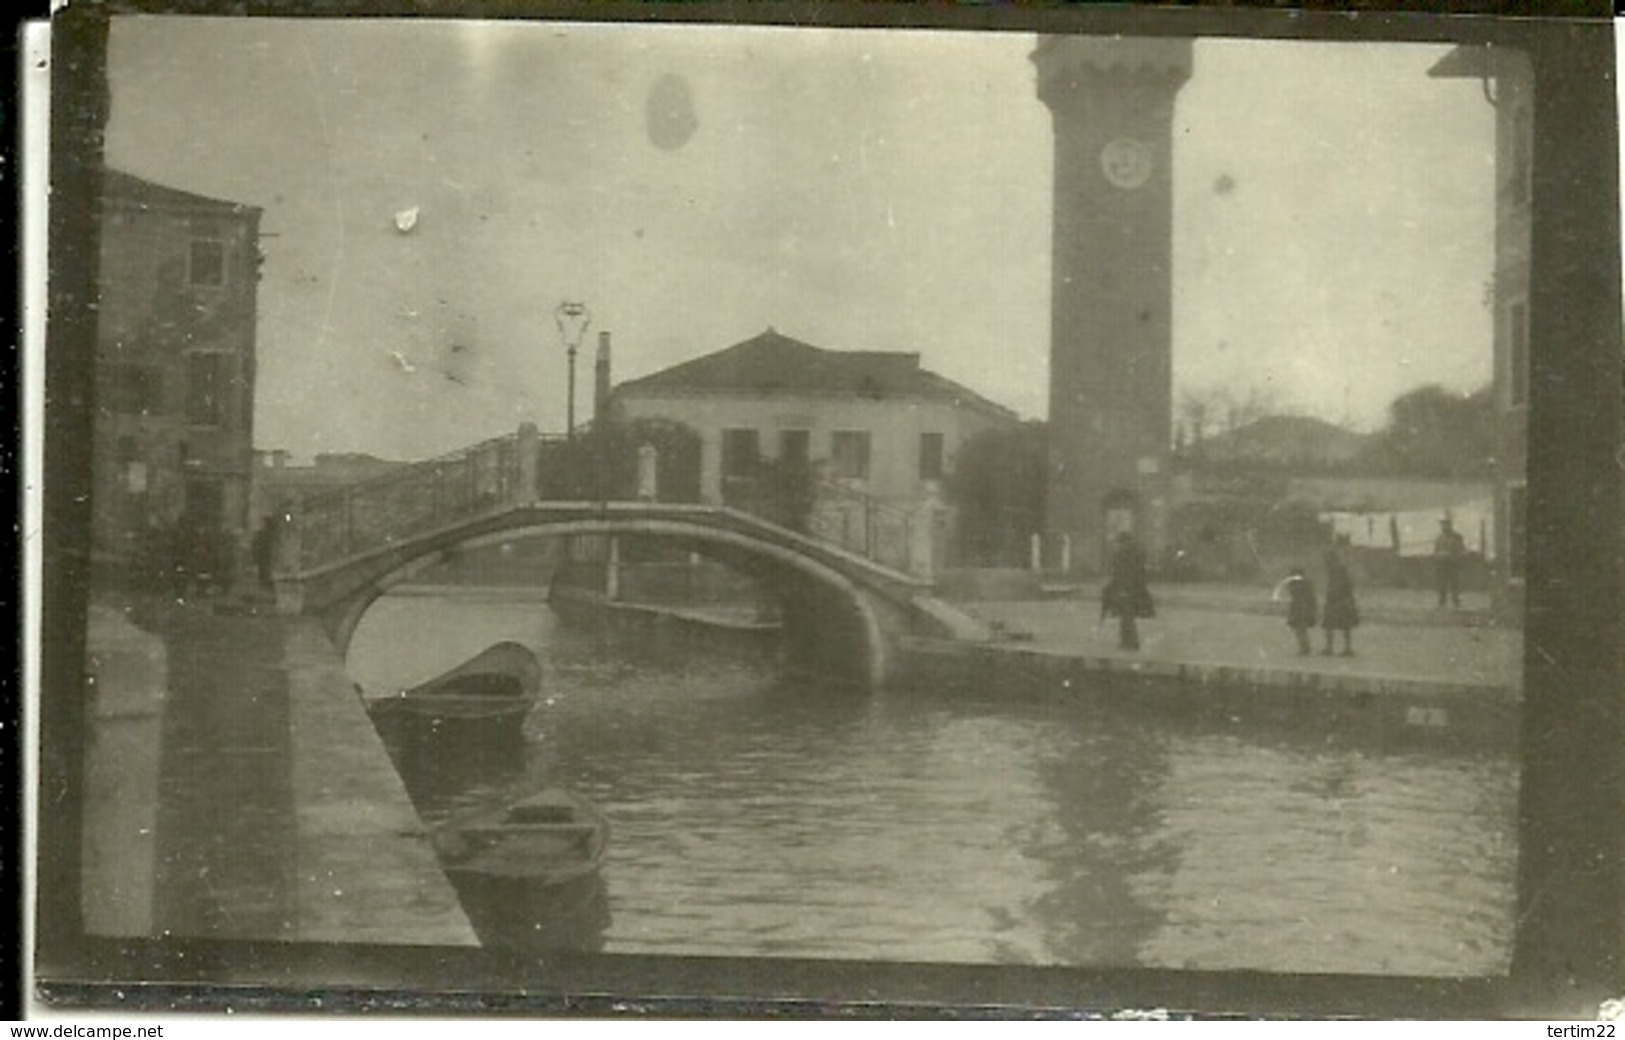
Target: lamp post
{"type": "Point", "coordinates": [572, 320]}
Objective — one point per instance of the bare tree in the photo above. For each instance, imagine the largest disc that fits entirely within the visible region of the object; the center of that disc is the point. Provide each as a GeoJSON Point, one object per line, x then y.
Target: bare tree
{"type": "Point", "coordinates": [1241, 407]}
{"type": "Point", "coordinates": [1203, 411]}
{"type": "Point", "coordinates": [1196, 409]}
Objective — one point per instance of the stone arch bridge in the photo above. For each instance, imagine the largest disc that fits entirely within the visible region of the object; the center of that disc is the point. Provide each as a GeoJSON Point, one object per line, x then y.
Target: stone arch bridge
{"type": "Point", "coordinates": [843, 609]}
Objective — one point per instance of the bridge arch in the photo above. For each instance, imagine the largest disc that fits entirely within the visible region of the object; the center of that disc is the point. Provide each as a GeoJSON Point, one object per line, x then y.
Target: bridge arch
{"type": "Point", "coordinates": [831, 617]}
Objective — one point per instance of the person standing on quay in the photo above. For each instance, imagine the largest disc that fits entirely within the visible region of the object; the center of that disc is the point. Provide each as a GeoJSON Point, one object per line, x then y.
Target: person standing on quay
{"type": "Point", "coordinates": [1126, 595]}
{"type": "Point", "coordinates": [264, 548]}
{"type": "Point", "coordinates": [1448, 551]}
{"type": "Point", "coordinates": [1301, 610]}
{"type": "Point", "coordinates": [1341, 613]}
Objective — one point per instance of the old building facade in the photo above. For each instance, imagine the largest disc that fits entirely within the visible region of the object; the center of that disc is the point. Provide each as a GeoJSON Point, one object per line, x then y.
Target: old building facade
{"type": "Point", "coordinates": [876, 433]}
{"type": "Point", "coordinates": [1508, 80]}
{"type": "Point", "coordinates": [175, 370]}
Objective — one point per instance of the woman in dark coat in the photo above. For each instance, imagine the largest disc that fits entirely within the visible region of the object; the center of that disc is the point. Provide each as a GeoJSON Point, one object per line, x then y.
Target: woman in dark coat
{"type": "Point", "coordinates": [1127, 596]}
{"type": "Point", "coordinates": [1341, 614]}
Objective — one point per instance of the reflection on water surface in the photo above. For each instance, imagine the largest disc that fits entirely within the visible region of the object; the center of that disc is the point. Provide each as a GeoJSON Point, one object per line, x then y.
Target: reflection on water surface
{"type": "Point", "coordinates": [752, 817]}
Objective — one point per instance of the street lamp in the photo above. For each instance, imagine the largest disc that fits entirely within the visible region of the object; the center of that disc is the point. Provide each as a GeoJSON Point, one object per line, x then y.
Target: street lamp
{"type": "Point", "coordinates": [572, 320]}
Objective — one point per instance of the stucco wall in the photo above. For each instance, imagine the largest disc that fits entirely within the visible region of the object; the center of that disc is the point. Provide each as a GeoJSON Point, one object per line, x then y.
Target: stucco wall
{"type": "Point", "coordinates": [152, 315]}
{"type": "Point", "coordinates": [894, 426]}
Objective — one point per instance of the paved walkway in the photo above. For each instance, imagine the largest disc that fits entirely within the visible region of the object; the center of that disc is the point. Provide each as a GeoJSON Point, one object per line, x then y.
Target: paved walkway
{"type": "Point", "coordinates": [365, 871]}
{"type": "Point", "coordinates": [128, 674]}
{"type": "Point", "coordinates": [1403, 637]}
{"type": "Point", "coordinates": [236, 789]}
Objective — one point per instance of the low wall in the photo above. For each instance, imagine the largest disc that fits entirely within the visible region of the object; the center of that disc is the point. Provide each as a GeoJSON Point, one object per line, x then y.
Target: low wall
{"type": "Point", "coordinates": [988, 583]}
{"type": "Point", "coordinates": [1357, 709]}
{"type": "Point", "coordinates": [128, 676]}
{"type": "Point", "coordinates": [366, 871]}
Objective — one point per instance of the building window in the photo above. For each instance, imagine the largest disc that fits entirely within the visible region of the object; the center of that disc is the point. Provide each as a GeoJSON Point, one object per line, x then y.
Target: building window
{"type": "Point", "coordinates": [795, 447]}
{"type": "Point", "coordinates": [207, 264]}
{"type": "Point", "coordinates": [741, 453]}
{"type": "Point", "coordinates": [849, 450]}
{"type": "Point", "coordinates": [1517, 529]}
{"type": "Point", "coordinates": [206, 389]}
{"type": "Point", "coordinates": [134, 390]}
{"type": "Point", "coordinates": [931, 456]}
{"type": "Point", "coordinates": [132, 471]}
{"type": "Point", "coordinates": [205, 505]}
{"type": "Point", "coordinates": [1517, 361]}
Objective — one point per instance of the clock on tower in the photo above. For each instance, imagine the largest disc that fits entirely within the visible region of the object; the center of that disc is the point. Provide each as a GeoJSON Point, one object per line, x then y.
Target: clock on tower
{"type": "Point", "coordinates": [1111, 394]}
{"type": "Point", "coordinates": [1126, 162]}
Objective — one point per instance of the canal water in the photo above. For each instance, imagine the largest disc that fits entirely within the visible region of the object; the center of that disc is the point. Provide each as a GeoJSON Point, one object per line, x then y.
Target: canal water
{"type": "Point", "coordinates": [755, 817]}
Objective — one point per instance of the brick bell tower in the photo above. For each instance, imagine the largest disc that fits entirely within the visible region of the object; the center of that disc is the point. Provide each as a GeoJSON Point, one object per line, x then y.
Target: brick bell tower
{"type": "Point", "coordinates": [1111, 329]}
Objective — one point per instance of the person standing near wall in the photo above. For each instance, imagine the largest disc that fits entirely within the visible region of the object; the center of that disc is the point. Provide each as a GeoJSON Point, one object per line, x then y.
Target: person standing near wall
{"type": "Point", "coordinates": [1301, 610]}
{"type": "Point", "coordinates": [1127, 596]}
{"type": "Point", "coordinates": [265, 548]}
{"type": "Point", "coordinates": [1341, 613]}
{"type": "Point", "coordinates": [1448, 551]}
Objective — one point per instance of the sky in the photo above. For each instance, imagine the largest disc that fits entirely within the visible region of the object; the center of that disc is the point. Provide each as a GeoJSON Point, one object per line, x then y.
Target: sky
{"type": "Point", "coordinates": [856, 189]}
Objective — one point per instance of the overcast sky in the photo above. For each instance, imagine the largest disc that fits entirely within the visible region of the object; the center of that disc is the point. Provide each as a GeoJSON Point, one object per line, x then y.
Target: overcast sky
{"type": "Point", "coordinates": [876, 190]}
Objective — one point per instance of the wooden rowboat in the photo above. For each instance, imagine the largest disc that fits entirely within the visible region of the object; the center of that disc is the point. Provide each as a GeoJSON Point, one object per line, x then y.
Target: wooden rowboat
{"type": "Point", "coordinates": [527, 871]}
{"type": "Point", "coordinates": [493, 690]}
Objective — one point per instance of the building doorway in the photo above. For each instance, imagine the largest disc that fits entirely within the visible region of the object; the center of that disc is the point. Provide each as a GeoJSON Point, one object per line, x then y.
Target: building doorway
{"type": "Point", "coordinates": [1120, 513]}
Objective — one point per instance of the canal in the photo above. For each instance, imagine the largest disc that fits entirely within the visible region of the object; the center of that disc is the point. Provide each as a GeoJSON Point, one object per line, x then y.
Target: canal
{"type": "Point", "coordinates": [756, 817]}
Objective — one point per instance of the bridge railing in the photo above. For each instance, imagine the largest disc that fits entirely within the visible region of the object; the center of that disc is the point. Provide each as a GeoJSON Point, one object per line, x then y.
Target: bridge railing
{"type": "Point", "coordinates": [498, 473]}
{"type": "Point", "coordinates": [408, 501]}
{"type": "Point", "coordinates": [827, 510]}
{"type": "Point", "coordinates": [863, 524]}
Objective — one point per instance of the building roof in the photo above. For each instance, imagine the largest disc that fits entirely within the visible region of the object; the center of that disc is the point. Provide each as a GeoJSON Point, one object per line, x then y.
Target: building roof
{"type": "Point", "coordinates": [1286, 438]}
{"type": "Point", "coordinates": [123, 187]}
{"type": "Point", "coordinates": [775, 364]}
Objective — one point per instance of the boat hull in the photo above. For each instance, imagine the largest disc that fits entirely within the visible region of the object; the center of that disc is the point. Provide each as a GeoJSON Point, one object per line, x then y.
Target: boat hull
{"type": "Point", "coordinates": [486, 697]}
{"type": "Point", "coordinates": [528, 915]}
{"type": "Point", "coordinates": [528, 873]}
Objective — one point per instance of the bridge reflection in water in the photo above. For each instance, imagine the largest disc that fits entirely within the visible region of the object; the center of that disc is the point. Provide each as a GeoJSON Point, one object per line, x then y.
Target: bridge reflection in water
{"type": "Point", "coordinates": [753, 816]}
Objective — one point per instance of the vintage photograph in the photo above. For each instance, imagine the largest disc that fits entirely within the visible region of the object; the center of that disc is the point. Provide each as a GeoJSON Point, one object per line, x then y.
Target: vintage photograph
{"type": "Point", "coordinates": [900, 496]}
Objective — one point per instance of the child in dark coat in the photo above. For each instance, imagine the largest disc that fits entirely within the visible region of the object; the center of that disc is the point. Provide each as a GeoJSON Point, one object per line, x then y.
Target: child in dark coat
{"type": "Point", "coordinates": [1301, 612]}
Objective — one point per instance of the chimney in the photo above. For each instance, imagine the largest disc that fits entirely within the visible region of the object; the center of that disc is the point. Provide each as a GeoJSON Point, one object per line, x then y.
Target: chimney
{"type": "Point", "coordinates": [600, 393]}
